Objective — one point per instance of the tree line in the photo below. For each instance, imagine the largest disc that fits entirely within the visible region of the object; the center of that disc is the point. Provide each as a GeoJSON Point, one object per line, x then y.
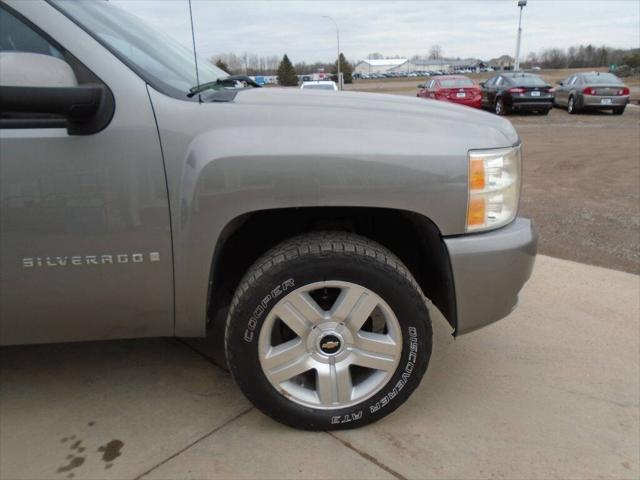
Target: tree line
{"type": "Point", "coordinates": [582, 56]}
{"type": "Point", "coordinates": [572, 57]}
{"type": "Point", "coordinates": [254, 65]}
{"type": "Point", "coordinates": [247, 63]}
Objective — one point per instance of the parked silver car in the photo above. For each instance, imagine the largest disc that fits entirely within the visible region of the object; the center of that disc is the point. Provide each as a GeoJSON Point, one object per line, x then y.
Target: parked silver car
{"type": "Point", "coordinates": [311, 226]}
{"type": "Point", "coordinates": [592, 91]}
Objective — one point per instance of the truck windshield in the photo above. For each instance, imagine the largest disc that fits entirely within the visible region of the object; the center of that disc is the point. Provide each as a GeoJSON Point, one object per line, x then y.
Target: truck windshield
{"type": "Point", "coordinates": [159, 59]}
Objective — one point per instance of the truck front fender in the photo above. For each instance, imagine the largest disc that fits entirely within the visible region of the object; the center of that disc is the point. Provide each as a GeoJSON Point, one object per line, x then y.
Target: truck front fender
{"type": "Point", "coordinates": [219, 168]}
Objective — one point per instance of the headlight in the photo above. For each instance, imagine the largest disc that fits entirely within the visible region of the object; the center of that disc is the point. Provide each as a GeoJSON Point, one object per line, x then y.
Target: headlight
{"type": "Point", "coordinates": [494, 187]}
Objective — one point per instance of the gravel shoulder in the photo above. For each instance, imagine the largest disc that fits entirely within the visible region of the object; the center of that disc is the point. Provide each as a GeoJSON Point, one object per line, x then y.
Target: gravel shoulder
{"type": "Point", "coordinates": [582, 185]}
{"type": "Point", "coordinates": [581, 180]}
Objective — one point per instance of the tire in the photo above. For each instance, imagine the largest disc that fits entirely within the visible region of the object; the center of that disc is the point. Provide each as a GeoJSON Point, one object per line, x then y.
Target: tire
{"type": "Point", "coordinates": [499, 108]}
{"type": "Point", "coordinates": [323, 266]}
{"type": "Point", "coordinates": [572, 109]}
{"type": "Point", "coordinates": [618, 111]}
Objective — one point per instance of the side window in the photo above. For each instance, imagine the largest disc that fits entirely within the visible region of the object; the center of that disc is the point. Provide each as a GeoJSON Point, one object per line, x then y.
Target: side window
{"type": "Point", "coordinates": [16, 36]}
{"type": "Point", "coordinates": [572, 80]}
{"type": "Point", "coordinates": [499, 81]}
{"type": "Point", "coordinates": [490, 82]}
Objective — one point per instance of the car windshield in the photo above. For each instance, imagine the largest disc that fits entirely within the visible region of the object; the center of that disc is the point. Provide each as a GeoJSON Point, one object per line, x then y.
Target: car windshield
{"type": "Point", "coordinates": [528, 81]}
{"type": "Point", "coordinates": [318, 86]}
{"type": "Point", "coordinates": [456, 82]}
{"type": "Point", "coordinates": [163, 62]}
{"type": "Point", "coordinates": [600, 79]}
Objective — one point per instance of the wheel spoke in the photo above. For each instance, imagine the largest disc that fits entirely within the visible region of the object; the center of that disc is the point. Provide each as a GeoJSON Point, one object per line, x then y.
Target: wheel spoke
{"type": "Point", "coordinates": [284, 353]}
{"type": "Point", "coordinates": [376, 361]}
{"type": "Point", "coordinates": [300, 312]}
{"type": "Point", "coordinates": [344, 384]}
{"type": "Point", "coordinates": [325, 384]}
{"type": "Point", "coordinates": [333, 383]}
{"type": "Point", "coordinates": [376, 343]}
{"type": "Point", "coordinates": [287, 371]}
{"type": "Point", "coordinates": [353, 306]}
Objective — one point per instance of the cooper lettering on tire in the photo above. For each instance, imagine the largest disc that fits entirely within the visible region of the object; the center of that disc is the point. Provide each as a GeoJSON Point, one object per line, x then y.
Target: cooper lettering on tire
{"type": "Point", "coordinates": [327, 331]}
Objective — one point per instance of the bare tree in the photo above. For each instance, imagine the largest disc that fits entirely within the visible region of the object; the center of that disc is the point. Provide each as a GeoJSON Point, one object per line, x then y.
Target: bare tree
{"type": "Point", "coordinates": [248, 63]}
{"type": "Point", "coordinates": [229, 59]}
{"type": "Point", "coordinates": [531, 60]}
{"type": "Point", "coordinates": [245, 62]}
{"type": "Point", "coordinates": [435, 52]}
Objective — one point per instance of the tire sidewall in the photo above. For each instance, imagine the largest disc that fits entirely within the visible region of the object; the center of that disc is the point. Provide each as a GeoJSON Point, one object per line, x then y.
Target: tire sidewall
{"type": "Point", "coordinates": [256, 303]}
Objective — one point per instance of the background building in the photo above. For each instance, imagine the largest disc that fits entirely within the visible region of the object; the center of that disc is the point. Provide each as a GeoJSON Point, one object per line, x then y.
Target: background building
{"type": "Point", "coordinates": [505, 62]}
{"type": "Point", "coordinates": [382, 65]}
{"type": "Point", "coordinates": [403, 65]}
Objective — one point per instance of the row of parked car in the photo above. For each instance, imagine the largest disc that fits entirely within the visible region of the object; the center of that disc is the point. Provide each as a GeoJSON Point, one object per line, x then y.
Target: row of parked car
{"type": "Point", "coordinates": [509, 92]}
{"type": "Point", "coordinates": [417, 73]}
{"type": "Point", "coordinates": [378, 75]}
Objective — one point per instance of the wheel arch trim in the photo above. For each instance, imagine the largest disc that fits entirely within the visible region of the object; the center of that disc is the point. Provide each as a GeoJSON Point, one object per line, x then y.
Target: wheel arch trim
{"type": "Point", "coordinates": [438, 285]}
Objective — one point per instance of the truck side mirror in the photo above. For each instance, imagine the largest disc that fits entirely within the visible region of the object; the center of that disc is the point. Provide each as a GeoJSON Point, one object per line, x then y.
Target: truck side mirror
{"type": "Point", "coordinates": [41, 90]}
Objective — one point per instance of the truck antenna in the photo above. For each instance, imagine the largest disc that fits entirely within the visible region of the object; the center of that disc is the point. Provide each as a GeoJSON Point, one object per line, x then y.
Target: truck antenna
{"type": "Point", "coordinates": [195, 55]}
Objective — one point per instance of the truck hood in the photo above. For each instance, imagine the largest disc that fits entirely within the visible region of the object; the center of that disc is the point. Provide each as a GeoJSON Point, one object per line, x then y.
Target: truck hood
{"type": "Point", "coordinates": [394, 112]}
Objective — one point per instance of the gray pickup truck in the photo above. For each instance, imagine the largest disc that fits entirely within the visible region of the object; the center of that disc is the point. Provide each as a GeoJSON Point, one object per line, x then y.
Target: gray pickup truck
{"type": "Point", "coordinates": [139, 202]}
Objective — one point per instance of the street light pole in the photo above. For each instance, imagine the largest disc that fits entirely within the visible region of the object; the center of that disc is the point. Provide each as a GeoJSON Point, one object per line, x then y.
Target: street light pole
{"type": "Point", "coordinates": [338, 37]}
{"type": "Point", "coordinates": [521, 4]}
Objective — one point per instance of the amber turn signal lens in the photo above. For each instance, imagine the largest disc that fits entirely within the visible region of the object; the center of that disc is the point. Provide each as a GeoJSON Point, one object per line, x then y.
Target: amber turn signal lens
{"type": "Point", "coordinates": [475, 214]}
{"type": "Point", "coordinates": [476, 174]}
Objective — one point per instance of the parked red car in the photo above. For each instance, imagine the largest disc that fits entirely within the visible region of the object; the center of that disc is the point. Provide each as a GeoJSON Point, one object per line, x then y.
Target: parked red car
{"type": "Point", "coordinates": [452, 88]}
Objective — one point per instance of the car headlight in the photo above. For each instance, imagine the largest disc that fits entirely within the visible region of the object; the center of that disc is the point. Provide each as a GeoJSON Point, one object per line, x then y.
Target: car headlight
{"type": "Point", "coordinates": [494, 187]}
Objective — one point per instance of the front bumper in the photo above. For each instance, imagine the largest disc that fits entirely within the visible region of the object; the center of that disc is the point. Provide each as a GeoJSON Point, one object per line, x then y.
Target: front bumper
{"type": "Point", "coordinates": [489, 270]}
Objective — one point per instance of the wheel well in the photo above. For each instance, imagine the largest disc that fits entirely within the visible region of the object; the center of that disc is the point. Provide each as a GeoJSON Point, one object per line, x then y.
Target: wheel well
{"type": "Point", "coordinates": [412, 237]}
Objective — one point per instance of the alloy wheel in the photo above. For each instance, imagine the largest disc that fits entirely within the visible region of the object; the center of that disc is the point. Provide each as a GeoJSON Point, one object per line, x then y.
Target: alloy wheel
{"type": "Point", "coordinates": [330, 345]}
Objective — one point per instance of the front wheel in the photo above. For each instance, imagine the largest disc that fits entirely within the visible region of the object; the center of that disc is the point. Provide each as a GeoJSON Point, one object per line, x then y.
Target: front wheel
{"type": "Point", "coordinates": [499, 107]}
{"type": "Point", "coordinates": [571, 106]}
{"type": "Point", "coordinates": [328, 331]}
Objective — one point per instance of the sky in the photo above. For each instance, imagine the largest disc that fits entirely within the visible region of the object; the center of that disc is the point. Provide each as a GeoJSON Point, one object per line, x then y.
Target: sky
{"type": "Point", "coordinates": [482, 29]}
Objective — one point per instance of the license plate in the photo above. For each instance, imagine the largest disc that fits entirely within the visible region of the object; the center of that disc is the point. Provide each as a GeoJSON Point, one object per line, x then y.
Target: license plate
{"type": "Point", "coordinates": [605, 101]}
{"type": "Point", "coordinates": [461, 94]}
{"type": "Point", "coordinates": [535, 94]}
